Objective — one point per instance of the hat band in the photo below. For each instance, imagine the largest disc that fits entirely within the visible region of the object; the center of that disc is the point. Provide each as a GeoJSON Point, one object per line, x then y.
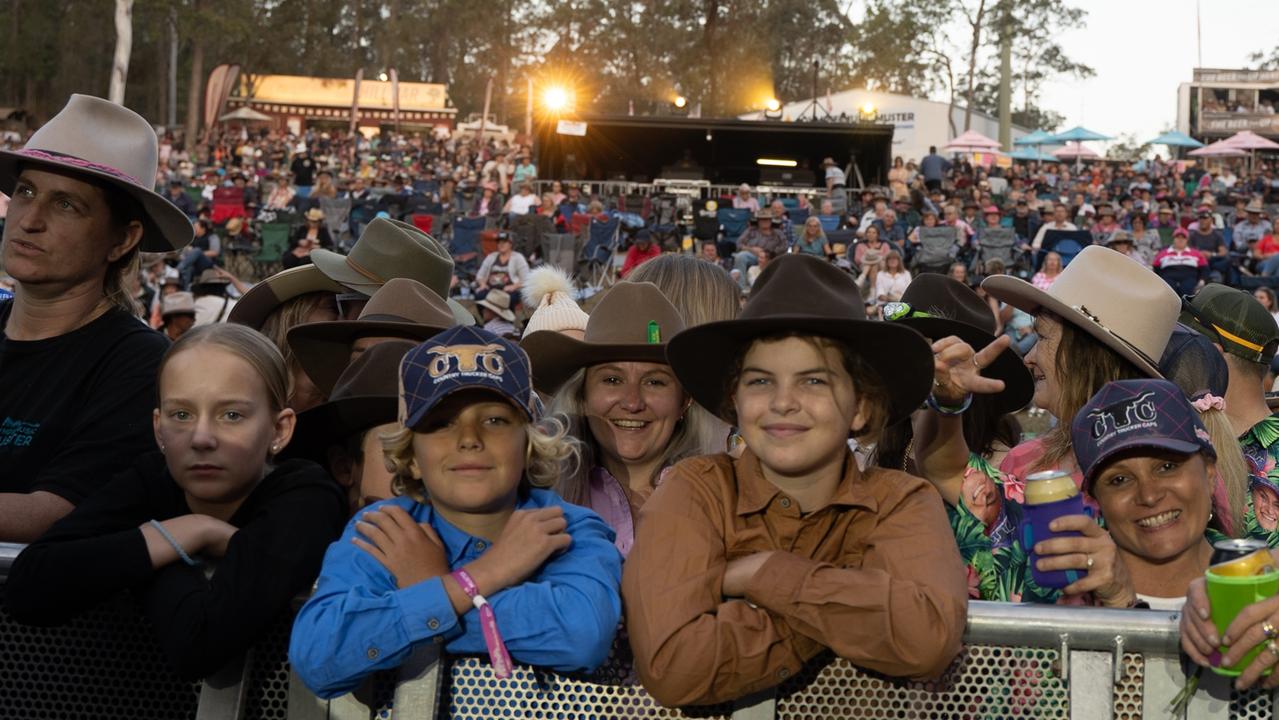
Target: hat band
{"type": "Point", "coordinates": [1237, 340]}
{"type": "Point", "coordinates": [61, 159]}
{"type": "Point", "coordinates": [364, 271]}
{"type": "Point", "coordinates": [1083, 310]}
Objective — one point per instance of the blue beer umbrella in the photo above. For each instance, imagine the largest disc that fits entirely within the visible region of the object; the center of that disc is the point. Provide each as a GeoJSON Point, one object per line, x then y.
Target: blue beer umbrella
{"type": "Point", "coordinates": [1026, 153]}
{"type": "Point", "coordinates": [1172, 138]}
{"type": "Point", "coordinates": [1036, 138]}
{"type": "Point", "coordinates": [1077, 134]}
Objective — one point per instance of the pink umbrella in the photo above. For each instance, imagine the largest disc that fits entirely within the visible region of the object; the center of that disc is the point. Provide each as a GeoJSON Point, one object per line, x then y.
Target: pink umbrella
{"type": "Point", "coordinates": [1249, 140]}
{"type": "Point", "coordinates": [971, 141]}
{"type": "Point", "coordinates": [1221, 148]}
{"type": "Point", "coordinates": [1075, 151]}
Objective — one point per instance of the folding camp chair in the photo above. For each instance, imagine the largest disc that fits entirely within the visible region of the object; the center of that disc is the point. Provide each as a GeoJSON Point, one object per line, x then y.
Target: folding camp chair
{"type": "Point", "coordinates": [596, 261]}
{"type": "Point", "coordinates": [337, 218]}
{"type": "Point", "coordinates": [1066, 243]}
{"type": "Point", "coordinates": [829, 222]}
{"type": "Point", "coordinates": [638, 204]}
{"type": "Point", "coordinates": [559, 249]}
{"type": "Point", "coordinates": [275, 242]}
{"type": "Point", "coordinates": [937, 249]}
{"type": "Point", "coordinates": [425, 222]}
{"type": "Point", "coordinates": [527, 231]}
{"type": "Point", "coordinates": [464, 246]}
{"type": "Point", "coordinates": [734, 221]}
{"type": "Point", "coordinates": [1165, 236]}
{"type": "Point", "coordinates": [228, 202]}
{"type": "Point", "coordinates": [999, 244]}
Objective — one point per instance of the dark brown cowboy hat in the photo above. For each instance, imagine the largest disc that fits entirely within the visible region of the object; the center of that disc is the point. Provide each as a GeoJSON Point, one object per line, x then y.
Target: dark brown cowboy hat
{"type": "Point", "coordinates": [366, 395]}
{"type": "Point", "coordinates": [938, 306]}
{"type": "Point", "coordinates": [256, 305]}
{"type": "Point", "coordinates": [633, 321]}
{"type": "Point", "coordinates": [804, 294]}
{"type": "Point", "coordinates": [403, 308]}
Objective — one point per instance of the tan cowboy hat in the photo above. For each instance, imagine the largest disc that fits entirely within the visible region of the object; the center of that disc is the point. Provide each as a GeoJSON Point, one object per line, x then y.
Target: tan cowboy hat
{"type": "Point", "coordinates": [256, 305]}
{"type": "Point", "coordinates": [806, 295]}
{"type": "Point", "coordinates": [389, 249]}
{"type": "Point", "coordinates": [315, 214]}
{"type": "Point", "coordinates": [764, 214]}
{"type": "Point", "coordinates": [234, 225]}
{"type": "Point", "coordinates": [211, 277]}
{"type": "Point", "coordinates": [1124, 305]}
{"type": "Point", "coordinates": [178, 303]}
{"type": "Point", "coordinates": [1254, 207]}
{"type": "Point", "coordinates": [402, 308]}
{"type": "Point", "coordinates": [106, 142]}
{"type": "Point", "coordinates": [633, 321]}
{"type": "Point", "coordinates": [499, 302]}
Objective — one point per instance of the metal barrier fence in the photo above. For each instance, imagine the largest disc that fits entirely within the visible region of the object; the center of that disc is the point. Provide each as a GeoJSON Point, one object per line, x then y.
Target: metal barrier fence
{"type": "Point", "coordinates": [1019, 661]}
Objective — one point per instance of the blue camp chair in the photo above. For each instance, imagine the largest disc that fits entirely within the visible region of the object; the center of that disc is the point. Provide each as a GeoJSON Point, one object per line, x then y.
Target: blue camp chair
{"type": "Point", "coordinates": [829, 223]}
{"type": "Point", "coordinates": [596, 260]}
{"type": "Point", "coordinates": [734, 221]}
{"type": "Point", "coordinates": [465, 246]}
{"type": "Point", "coordinates": [1066, 243]}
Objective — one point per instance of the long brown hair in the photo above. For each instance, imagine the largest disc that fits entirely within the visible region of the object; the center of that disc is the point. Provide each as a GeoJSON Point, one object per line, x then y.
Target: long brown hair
{"type": "Point", "coordinates": [288, 315]}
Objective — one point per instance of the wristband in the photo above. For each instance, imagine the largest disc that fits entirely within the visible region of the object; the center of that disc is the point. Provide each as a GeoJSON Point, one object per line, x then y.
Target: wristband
{"type": "Point", "coordinates": [950, 410]}
{"type": "Point", "coordinates": [499, 658]}
{"type": "Point", "coordinates": [174, 542]}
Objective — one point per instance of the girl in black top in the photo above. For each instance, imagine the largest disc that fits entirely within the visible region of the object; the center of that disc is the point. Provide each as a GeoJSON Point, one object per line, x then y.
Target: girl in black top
{"type": "Point", "coordinates": [213, 492]}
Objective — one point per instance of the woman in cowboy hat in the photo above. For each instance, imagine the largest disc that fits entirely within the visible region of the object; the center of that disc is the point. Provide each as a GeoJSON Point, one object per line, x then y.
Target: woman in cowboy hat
{"type": "Point", "coordinates": [1105, 318]}
{"type": "Point", "coordinates": [622, 400]}
{"type": "Point", "coordinates": [311, 236]}
{"type": "Point", "coordinates": [793, 527]}
{"type": "Point", "coordinates": [77, 368]}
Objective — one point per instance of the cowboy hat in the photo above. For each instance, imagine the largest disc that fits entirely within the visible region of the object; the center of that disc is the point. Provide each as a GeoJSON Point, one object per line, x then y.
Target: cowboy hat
{"type": "Point", "coordinates": [211, 277]}
{"type": "Point", "coordinates": [633, 321]}
{"type": "Point", "coordinates": [499, 302]}
{"type": "Point", "coordinates": [389, 249]}
{"type": "Point", "coordinates": [764, 214]}
{"type": "Point", "coordinates": [315, 214]}
{"type": "Point", "coordinates": [807, 295]}
{"type": "Point", "coordinates": [1254, 207]}
{"type": "Point", "coordinates": [938, 306]}
{"type": "Point", "coordinates": [364, 396]}
{"type": "Point", "coordinates": [178, 303]}
{"type": "Point", "coordinates": [1122, 304]}
{"type": "Point", "coordinates": [234, 225]}
{"type": "Point", "coordinates": [402, 308]}
{"type": "Point", "coordinates": [106, 142]}
{"type": "Point", "coordinates": [256, 305]}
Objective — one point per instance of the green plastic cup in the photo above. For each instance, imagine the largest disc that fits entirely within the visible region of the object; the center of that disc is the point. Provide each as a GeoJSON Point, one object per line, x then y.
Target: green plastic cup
{"type": "Point", "coordinates": [1230, 594]}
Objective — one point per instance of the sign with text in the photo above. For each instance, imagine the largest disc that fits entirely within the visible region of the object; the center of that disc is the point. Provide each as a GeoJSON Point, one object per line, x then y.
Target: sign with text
{"type": "Point", "coordinates": [571, 127]}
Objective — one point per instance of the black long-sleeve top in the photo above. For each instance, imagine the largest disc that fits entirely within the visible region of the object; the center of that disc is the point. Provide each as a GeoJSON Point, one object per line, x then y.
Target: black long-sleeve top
{"type": "Point", "coordinates": [285, 526]}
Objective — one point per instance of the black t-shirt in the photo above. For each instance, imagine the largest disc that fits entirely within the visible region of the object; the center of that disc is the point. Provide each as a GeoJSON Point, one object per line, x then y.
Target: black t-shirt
{"type": "Point", "coordinates": [303, 171]}
{"type": "Point", "coordinates": [285, 525]}
{"type": "Point", "coordinates": [1206, 243]}
{"type": "Point", "coordinates": [76, 409]}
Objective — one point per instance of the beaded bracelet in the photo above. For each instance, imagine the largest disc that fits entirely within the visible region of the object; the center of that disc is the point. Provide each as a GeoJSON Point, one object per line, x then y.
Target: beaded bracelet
{"type": "Point", "coordinates": [174, 542]}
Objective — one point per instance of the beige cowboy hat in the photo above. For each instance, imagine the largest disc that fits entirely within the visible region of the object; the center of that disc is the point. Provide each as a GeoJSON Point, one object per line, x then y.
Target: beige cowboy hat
{"type": "Point", "coordinates": [256, 305]}
{"type": "Point", "coordinates": [108, 143]}
{"type": "Point", "coordinates": [633, 321]}
{"type": "Point", "coordinates": [1124, 305]}
{"type": "Point", "coordinates": [402, 308]}
{"type": "Point", "coordinates": [315, 214]}
{"type": "Point", "coordinates": [499, 302]}
{"type": "Point", "coordinates": [389, 249]}
{"type": "Point", "coordinates": [178, 303]}
{"type": "Point", "coordinates": [1254, 207]}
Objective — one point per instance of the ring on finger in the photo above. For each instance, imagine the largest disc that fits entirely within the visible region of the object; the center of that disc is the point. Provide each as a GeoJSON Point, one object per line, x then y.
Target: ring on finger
{"type": "Point", "coordinates": [1273, 648]}
{"type": "Point", "coordinates": [1089, 564]}
{"type": "Point", "coordinates": [1268, 629]}
{"type": "Point", "coordinates": [977, 364]}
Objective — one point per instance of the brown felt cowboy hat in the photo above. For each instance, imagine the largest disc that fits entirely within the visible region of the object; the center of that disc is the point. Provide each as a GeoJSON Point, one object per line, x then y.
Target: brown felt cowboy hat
{"type": "Point", "coordinates": [107, 143]}
{"type": "Point", "coordinates": [1122, 304]}
{"type": "Point", "coordinates": [938, 306]}
{"type": "Point", "coordinates": [256, 305]}
{"type": "Point", "coordinates": [389, 249]}
{"type": "Point", "coordinates": [633, 321]}
{"type": "Point", "coordinates": [366, 395]}
{"type": "Point", "coordinates": [402, 308]}
{"type": "Point", "coordinates": [804, 294]}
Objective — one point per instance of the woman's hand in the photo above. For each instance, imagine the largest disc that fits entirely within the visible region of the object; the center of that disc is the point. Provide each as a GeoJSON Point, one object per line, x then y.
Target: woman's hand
{"type": "Point", "coordinates": [529, 538]}
{"type": "Point", "coordinates": [410, 550]}
{"type": "Point", "coordinates": [1247, 631]}
{"type": "Point", "coordinates": [957, 369]}
{"type": "Point", "coordinates": [1095, 552]}
{"type": "Point", "coordinates": [1198, 632]}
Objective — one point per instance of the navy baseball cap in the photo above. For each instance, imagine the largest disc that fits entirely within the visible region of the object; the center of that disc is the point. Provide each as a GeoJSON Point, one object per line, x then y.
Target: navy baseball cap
{"type": "Point", "coordinates": [1128, 414]}
{"type": "Point", "coordinates": [464, 358]}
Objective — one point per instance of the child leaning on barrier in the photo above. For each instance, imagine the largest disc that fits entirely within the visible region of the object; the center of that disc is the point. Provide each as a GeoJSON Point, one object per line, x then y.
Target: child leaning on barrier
{"type": "Point", "coordinates": [474, 554]}
{"type": "Point", "coordinates": [213, 491]}
{"type": "Point", "coordinates": [743, 570]}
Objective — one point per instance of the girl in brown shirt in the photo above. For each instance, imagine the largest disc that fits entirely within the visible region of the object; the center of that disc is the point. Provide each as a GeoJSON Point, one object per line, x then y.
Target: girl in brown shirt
{"type": "Point", "coordinates": [743, 570]}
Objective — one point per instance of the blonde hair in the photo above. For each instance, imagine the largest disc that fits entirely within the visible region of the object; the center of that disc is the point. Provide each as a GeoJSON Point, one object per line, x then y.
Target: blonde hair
{"type": "Point", "coordinates": [688, 440]}
{"type": "Point", "coordinates": [551, 454]}
{"type": "Point", "coordinates": [243, 342]}
{"type": "Point", "coordinates": [288, 315]}
{"type": "Point", "coordinates": [1232, 470]}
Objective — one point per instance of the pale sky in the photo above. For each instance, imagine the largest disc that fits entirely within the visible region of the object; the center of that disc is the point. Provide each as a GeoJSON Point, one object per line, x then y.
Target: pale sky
{"type": "Point", "coordinates": [1142, 49]}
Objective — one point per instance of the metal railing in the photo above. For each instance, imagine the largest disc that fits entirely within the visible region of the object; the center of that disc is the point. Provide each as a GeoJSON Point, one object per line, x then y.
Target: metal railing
{"type": "Point", "coordinates": [1030, 661]}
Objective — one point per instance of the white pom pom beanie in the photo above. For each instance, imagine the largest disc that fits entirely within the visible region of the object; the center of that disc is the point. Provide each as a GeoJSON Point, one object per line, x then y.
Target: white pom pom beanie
{"type": "Point", "coordinates": [549, 290]}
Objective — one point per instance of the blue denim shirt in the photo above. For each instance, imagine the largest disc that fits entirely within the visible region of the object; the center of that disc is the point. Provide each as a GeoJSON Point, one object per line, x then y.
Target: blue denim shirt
{"type": "Point", "coordinates": [358, 621]}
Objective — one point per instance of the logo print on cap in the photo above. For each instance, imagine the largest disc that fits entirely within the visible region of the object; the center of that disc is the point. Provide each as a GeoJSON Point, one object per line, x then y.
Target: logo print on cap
{"type": "Point", "coordinates": [1123, 415]}
{"type": "Point", "coordinates": [469, 359]}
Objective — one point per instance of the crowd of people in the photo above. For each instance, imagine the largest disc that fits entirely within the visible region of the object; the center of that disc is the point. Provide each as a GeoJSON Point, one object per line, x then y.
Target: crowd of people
{"type": "Point", "coordinates": [746, 456]}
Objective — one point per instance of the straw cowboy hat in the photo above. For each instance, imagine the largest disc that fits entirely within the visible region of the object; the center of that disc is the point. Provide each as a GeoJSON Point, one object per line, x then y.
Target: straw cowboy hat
{"type": "Point", "coordinates": [1254, 207]}
{"type": "Point", "coordinates": [402, 308]}
{"type": "Point", "coordinates": [1122, 304]}
{"type": "Point", "coordinates": [499, 302]}
{"type": "Point", "coordinates": [178, 303]}
{"type": "Point", "coordinates": [389, 249]}
{"type": "Point", "coordinates": [109, 143]}
{"type": "Point", "coordinates": [366, 395]}
{"type": "Point", "coordinates": [807, 295]}
{"type": "Point", "coordinates": [938, 306]}
{"type": "Point", "coordinates": [256, 305]}
{"type": "Point", "coordinates": [633, 321]}
{"type": "Point", "coordinates": [315, 214]}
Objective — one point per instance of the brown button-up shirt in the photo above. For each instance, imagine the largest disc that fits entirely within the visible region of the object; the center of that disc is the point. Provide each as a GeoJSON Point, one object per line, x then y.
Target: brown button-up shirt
{"type": "Point", "coordinates": [874, 576]}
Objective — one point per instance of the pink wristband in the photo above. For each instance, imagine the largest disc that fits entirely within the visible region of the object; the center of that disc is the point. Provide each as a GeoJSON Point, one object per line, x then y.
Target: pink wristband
{"type": "Point", "coordinates": [499, 658]}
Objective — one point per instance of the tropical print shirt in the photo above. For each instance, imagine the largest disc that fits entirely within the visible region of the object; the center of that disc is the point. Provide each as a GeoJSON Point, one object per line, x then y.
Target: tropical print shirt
{"type": "Point", "coordinates": [1260, 447]}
